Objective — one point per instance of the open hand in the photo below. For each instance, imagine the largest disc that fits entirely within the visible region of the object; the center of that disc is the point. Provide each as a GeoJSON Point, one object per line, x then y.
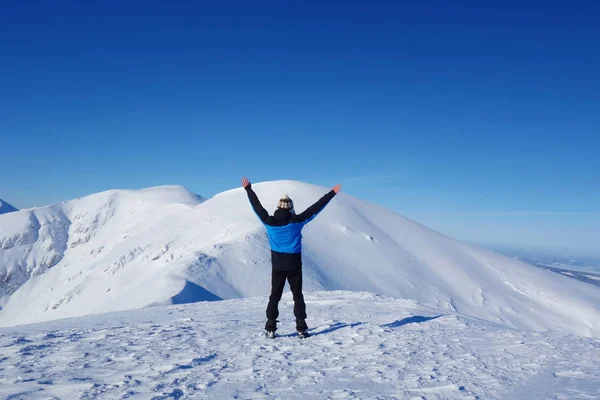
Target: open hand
{"type": "Point", "coordinates": [245, 182]}
{"type": "Point", "coordinates": [337, 188]}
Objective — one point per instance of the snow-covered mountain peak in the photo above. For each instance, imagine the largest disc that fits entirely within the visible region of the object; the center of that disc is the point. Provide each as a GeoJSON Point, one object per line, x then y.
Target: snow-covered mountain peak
{"type": "Point", "coordinates": [121, 250]}
{"type": "Point", "coordinates": [34, 240]}
{"type": "Point", "coordinates": [167, 194]}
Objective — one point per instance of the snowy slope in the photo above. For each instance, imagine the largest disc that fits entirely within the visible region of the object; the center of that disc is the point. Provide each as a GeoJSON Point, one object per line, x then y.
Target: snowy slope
{"type": "Point", "coordinates": [363, 347]}
{"type": "Point", "coordinates": [6, 208]}
{"type": "Point", "coordinates": [218, 249]}
{"type": "Point", "coordinates": [33, 241]}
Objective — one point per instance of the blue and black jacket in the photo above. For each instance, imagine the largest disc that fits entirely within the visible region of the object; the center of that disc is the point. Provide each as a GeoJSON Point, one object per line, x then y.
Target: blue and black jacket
{"type": "Point", "coordinates": [284, 229]}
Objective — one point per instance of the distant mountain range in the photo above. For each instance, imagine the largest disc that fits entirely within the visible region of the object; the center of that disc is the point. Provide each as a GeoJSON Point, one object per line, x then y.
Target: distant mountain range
{"type": "Point", "coordinates": [581, 265]}
{"type": "Point", "coordinates": [576, 260]}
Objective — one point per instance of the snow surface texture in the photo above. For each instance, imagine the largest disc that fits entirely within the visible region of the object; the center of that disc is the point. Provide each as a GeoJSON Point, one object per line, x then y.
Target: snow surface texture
{"type": "Point", "coordinates": [363, 347]}
{"type": "Point", "coordinates": [6, 208]}
{"type": "Point", "coordinates": [123, 250]}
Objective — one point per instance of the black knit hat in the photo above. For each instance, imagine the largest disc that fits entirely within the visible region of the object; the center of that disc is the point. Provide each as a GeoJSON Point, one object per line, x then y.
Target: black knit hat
{"type": "Point", "coordinates": [286, 203]}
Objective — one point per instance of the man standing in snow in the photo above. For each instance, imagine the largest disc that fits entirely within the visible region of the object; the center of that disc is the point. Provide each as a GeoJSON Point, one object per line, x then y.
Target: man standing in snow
{"type": "Point", "coordinates": [284, 230]}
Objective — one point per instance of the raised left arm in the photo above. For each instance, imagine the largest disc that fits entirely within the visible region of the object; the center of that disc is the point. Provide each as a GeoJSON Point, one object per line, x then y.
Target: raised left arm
{"type": "Point", "coordinates": [311, 212]}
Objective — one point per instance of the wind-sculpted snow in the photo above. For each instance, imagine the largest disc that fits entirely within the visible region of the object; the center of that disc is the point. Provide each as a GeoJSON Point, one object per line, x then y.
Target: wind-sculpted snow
{"type": "Point", "coordinates": [362, 346]}
{"type": "Point", "coordinates": [150, 247]}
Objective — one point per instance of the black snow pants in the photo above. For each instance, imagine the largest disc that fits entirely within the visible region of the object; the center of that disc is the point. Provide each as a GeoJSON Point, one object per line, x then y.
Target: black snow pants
{"type": "Point", "coordinates": [294, 277]}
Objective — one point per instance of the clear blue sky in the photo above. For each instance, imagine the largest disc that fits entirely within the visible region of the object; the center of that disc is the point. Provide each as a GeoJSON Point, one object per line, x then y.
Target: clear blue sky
{"type": "Point", "coordinates": [480, 121]}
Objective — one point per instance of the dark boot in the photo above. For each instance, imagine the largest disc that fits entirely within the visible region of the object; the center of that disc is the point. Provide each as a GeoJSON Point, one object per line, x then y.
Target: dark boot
{"type": "Point", "coordinates": [301, 325]}
{"type": "Point", "coordinates": [271, 325]}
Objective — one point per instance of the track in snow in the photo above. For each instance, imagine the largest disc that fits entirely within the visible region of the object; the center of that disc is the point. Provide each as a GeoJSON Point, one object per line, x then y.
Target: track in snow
{"type": "Point", "coordinates": [363, 346]}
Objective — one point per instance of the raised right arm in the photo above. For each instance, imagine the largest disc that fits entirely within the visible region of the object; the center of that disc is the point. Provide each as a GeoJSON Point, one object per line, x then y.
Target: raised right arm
{"type": "Point", "coordinates": [255, 202]}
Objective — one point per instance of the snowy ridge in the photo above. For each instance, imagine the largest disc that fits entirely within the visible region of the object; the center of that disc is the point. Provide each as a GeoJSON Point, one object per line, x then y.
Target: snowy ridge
{"type": "Point", "coordinates": [133, 256]}
{"type": "Point", "coordinates": [35, 240]}
{"type": "Point", "coordinates": [6, 208]}
{"type": "Point", "coordinates": [362, 346]}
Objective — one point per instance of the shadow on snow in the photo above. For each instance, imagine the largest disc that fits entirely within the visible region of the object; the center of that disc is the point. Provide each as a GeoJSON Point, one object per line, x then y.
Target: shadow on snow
{"type": "Point", "coordinates": [415, 319]}
{"type": "Point", "coordinates": [192, 293]}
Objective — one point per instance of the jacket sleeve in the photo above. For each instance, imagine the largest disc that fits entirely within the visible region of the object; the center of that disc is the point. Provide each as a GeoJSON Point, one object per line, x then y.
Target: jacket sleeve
{"type": "Point", "coordinates": [312, 211]}
{"type": "Point", "coordinates": [255, 202]}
